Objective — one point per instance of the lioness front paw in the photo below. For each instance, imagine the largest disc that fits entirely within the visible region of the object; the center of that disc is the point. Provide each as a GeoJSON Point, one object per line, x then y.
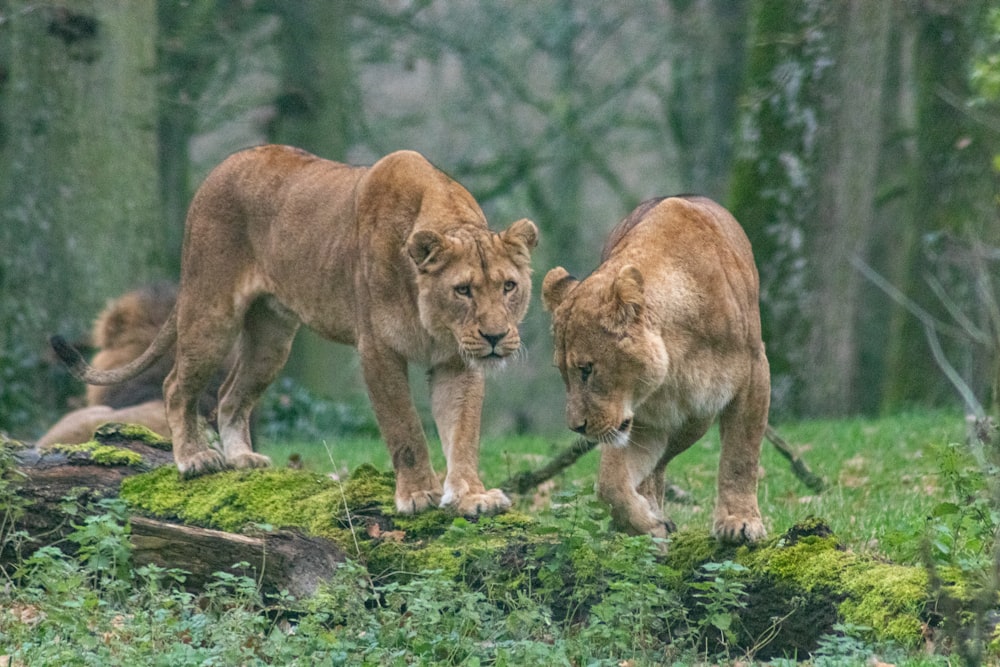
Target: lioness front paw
{"type": "Point", "coordinates": [249, 460]}
{"type": "Point", "coordinates": [739, 529]}
{"type": "Point", "coordinates": [201, 463]}
{"type": "Point", "coordinates": [493, 501]}
{"type": "Point", "coordinates": [418, 501]}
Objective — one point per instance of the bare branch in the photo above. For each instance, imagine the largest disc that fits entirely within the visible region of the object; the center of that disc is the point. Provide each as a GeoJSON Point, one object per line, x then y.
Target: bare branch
{"type": "Point", "coordinates": [970, 328]}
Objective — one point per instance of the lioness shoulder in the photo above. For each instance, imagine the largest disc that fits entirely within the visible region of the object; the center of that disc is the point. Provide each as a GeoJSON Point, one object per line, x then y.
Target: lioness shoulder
{"type": "Point", "coordinates": [662, 339]}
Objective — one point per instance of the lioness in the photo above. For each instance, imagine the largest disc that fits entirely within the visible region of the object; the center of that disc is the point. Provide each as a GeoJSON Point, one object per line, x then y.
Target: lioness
{"type": "Point", "coordinates": [121, 332]}
{"type": "Point", "coordinates": [395, 259]}
{"type": "Point", "coordinates": [654, 345]}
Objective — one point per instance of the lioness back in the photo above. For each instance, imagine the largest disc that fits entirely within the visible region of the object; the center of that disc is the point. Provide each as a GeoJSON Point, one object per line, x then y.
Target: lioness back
{"type": "Point", "coordinates": [659, 341]}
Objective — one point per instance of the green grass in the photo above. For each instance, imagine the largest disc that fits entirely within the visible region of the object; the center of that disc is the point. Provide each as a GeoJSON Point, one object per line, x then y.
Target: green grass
{"type": "Point", "coordinates": [882, 474]}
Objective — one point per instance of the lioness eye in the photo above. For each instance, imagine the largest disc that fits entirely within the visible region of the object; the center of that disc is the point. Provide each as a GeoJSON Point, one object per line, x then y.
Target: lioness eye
{"type": "Point", "coordinates": [463, 290]}
{"type": "Point", "coordinates": [509, 286]}
{"type": "Point", "coordinates": [586, 370]}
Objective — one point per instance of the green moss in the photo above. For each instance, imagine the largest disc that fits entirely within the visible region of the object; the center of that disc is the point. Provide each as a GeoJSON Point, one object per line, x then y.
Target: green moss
{"type": "Point", "coordinates": [811, 563]}
{"type": "Point", "coordinates": [688, 549]}
{"type": "Point", "coordinates": [232, 499]}
{"type": "Point", "coordinates": [888, 598]}
{"type": "Point", "coordinates": [117, 432]}
{"type": "Point", "coordinates": [367, 487]}
{"type": "Point", "coordinates": [105, 455]}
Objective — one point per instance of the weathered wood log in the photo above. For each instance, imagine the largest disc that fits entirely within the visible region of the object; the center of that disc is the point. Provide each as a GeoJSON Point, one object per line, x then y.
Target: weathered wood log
{"type": "Point", "coordinates": [280, 560]}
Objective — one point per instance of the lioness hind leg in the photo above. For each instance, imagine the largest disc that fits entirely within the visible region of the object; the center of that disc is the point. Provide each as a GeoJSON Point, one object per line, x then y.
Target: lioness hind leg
{"type": "Point", "coordinates": [192, 453]}
{"type": "Point", "coordinates": [741, 428]}
{"type": "Point", "coordinates": [263, 348]}
{"type": "Point", "coordinates": [202, 344]}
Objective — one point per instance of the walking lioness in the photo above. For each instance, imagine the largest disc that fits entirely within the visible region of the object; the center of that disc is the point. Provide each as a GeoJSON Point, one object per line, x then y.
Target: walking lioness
{"type": "Point", "coordinates": [395, 259]}
{"type": "Point", "coordinates": [654, 345]}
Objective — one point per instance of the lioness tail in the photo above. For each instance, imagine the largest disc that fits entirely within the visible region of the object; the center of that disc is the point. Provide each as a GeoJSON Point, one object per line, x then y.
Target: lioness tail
{"type": "Point", "coordinates": [80, 369]}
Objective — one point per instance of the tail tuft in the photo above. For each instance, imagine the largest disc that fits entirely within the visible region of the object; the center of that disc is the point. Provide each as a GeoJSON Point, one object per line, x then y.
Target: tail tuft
{"type": "Point", "coordinates": [68, 354]}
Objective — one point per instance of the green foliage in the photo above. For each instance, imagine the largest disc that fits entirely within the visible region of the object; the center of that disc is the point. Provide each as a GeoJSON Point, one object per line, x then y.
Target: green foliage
{"type": "Point", "coordinates": [289, 411]}
{"type": "Point", "coordinates": [719, 594]}
{"type": "Point", "coordinates": [986, 67]}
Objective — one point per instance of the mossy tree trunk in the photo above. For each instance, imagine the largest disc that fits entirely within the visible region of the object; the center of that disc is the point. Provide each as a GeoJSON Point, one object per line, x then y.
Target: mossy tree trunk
{"type": "Point", "coordinates": [777, 171]}
{"type": "Point", "coordinates": [949, 190]}
{"type": "Point", "coordinates": [80, 219]}
{"type": "Point", "coordinates": [850, 139]}
{"type": "Point", "coordinates": [317, 109]}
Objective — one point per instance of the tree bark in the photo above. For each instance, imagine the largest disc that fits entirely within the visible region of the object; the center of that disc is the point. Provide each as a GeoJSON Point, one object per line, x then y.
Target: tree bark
{"type": "Point", "coordinates": [949, 189]}
{"type": "Point", "coordinates": [847, 185]}
{"type": "Point", "coordinates": [79, 209]}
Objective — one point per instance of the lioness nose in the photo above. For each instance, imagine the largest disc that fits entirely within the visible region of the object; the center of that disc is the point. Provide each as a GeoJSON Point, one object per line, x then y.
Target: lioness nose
{"type": "Point", "coordinates": [581, 429]}
{"type": "Point", "coordinates": [493, 339]}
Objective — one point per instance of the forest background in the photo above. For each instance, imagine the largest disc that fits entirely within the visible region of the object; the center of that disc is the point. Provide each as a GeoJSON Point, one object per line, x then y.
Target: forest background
{"type": "Point", "coordinates": [854, 140]}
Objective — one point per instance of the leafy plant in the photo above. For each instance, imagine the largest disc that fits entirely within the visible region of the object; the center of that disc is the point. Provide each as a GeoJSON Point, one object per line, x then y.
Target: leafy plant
{"type": "Point", "coordinates": [719, 594]}
{"type": "Point", "coordinates": [842, 648]}
{"type": "Point", "coordinates": [289, 411]}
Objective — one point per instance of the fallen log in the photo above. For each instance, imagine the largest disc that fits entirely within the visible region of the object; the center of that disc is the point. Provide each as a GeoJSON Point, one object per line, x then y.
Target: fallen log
{"type": "Point", "coordinates": [285, 559]}
{"type": "Point", "coordinates": [292, 527]}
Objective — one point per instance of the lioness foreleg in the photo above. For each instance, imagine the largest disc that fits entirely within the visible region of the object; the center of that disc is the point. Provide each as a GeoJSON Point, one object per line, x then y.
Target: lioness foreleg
{"type": "Point", "coordinates": [417, 487]}
{"type": "Point", "coordinates": [623, 470]}
{"type": "Point", "coordinates": [741, 429]}
{"type": "Point", "coordinates": [457, 403]}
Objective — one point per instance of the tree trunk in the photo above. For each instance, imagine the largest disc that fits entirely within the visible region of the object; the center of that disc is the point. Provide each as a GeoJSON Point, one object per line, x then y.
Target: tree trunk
{"type": "Point", "coordinates": [316, 110]}
{"type": "Point", "coordinates": [847, 184]}
{"type": "Point", "coordinates": [774, 180]}
{"type": "Point", "coordinates": [706, 67]}
{"type": "Point", "coordinates": [79, 211]}
{"type": "Point", "coordinates": [950, 190]}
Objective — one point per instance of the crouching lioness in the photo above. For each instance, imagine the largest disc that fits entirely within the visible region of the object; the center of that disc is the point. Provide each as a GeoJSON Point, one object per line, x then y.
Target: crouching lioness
{"type": "Point", "coordinates": [659, 341]}
{"type": "Point", "coordinates": [395, 259]}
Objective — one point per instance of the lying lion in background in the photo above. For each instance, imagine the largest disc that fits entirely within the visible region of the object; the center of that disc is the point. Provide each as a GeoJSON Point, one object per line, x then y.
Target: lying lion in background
{"type": "Point", "coordinates": [660, 340]}
{"type": "Point", "coordinates": [395, 259]}
{"type": "Point", "coordinates": [121, 332]}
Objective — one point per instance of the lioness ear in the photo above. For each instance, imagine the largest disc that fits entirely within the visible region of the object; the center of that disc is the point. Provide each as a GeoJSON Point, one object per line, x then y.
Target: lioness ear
{"type": "Point", "coordinates": [523, 232]}
{"type": "Point", "coordinates": [557, 284]}
{"type": "Point", "coordinates": [627, 294]}
{"type": "Point", "coordinates": [425, 248]}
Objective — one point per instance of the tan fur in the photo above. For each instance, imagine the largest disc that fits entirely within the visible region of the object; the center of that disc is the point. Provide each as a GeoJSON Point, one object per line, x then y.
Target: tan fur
{"type": "Point", "coordinates": [662, 339]}
{"type": "Point", "coordinates": [395, 259]}
{"type": "Point", "coordinates": [121, 332]}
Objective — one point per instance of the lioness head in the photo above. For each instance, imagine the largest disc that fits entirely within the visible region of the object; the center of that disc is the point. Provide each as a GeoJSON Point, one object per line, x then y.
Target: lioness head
{"type": "Point", "coordinates": [474, 286]}
{"type": "Point", "coordinates": [609, 357]}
